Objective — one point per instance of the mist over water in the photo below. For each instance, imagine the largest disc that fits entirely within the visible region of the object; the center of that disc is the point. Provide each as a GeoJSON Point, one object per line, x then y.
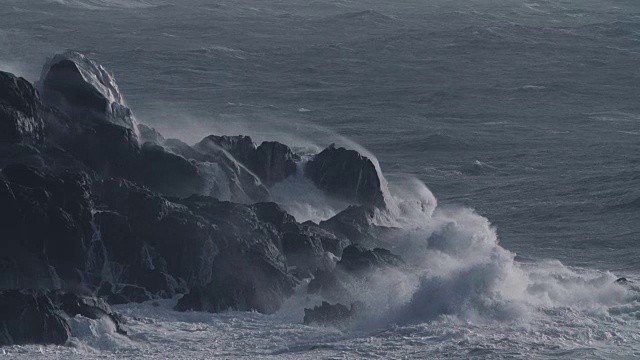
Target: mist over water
{"type": "Point", "coordinates": [507, 132]}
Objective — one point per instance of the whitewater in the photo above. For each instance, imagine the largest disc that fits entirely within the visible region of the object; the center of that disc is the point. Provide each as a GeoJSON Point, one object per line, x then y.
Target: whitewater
{"type": "Point", "coordinates": [507, 132]}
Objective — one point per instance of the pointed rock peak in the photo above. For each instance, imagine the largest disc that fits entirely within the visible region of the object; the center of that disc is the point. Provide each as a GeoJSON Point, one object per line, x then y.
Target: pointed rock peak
{"type": "Point", "coordinates": [83, 89]}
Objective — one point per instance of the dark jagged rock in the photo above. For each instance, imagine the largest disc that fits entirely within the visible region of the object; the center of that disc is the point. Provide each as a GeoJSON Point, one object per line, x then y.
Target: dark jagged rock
{"type": "Point", "coordinates": [331, 242]}
{"type": "Point", "coordinates": [248, 269]}
{"type": "Point", "coordinates": [302, 252]}
{"type": "Point", "coordinates": [358, 225]}
{"type": "Point", "coordinates": [20, 106]}
{"type": "Point", "coordinates": [348, 176]}
{"type": "Point", "coordinates": [89, 307]}
{"type": "Point", "coordinates": [101, 213]}
{"type": "Point", "coordinates": [84, 90]}
{"type": "Point", "coordinates": [240, 147]}
{"type": "Point", "coordinates": [273, 162]}
{"type": "Point", "coordinates": [206, 242]}
{"type": "Point", "coordinates": [47, 217]}
{"type": "Point", "coordinates": [328, 314]}
{"type": "Point", "coordinates": [237, 183]}
{"type": "Point", "coordinates": [273, 214]}
{"type": "Point", "coordinates": [168, 173]}
{"type": "Point", "coordinates": [302, 244]}
{"type": "Point", "coordinates": [29, 317]}
{"type": "Point", "coordinates": [96, 127]}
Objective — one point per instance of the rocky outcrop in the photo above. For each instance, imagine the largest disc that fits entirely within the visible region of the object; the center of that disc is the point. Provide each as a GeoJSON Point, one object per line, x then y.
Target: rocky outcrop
{"type": "Point", "coordinates": [347, 175]}
{"type": "Point", "coordinates": [20, 107]}
{"type": "Point", "coordinates": [28, 317]}
{"type": "Point", "coordinates": [84, 90]}
{"type": "Point", "coordinates": [328, 314]}
{"type": "Point", "coordinates": [93, 203]}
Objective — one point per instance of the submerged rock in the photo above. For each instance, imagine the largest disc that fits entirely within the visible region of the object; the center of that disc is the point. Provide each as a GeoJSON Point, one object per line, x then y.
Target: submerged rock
{"type": "Point", "coordinates": [347, 175]}
{"type": "Point", "coordinates": [20, 119]}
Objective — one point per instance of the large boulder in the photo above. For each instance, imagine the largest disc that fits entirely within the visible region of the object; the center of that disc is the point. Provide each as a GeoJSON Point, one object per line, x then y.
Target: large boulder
{"type": "Point", "coordinates": [29, 317]}
{"type": "Point", "coordinates": [20, 107]}
{"type": "Point", "coordinates": [348, 176]}
{"type": "Point", "coordinates": [84, 90]}
{"type": "Point", "coordinates": [86, 115]}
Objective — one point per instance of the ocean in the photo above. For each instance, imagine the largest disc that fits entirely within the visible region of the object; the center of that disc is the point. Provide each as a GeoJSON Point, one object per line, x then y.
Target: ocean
{"type": "Point", "coordinates": [521, 117]}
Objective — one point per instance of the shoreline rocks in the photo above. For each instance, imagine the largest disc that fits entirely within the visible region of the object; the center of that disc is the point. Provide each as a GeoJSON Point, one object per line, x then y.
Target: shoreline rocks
{"type": "Point", "coordinates": [91, 202]}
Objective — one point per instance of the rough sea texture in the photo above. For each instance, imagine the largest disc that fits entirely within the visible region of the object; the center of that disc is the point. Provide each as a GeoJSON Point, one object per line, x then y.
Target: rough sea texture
{"type": "Point", "coordinates": [527, 112]}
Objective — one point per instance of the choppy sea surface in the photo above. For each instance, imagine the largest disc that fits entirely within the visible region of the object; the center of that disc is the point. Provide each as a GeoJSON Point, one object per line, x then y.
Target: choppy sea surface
{"type": "Point", "coordinates": [521, 117]}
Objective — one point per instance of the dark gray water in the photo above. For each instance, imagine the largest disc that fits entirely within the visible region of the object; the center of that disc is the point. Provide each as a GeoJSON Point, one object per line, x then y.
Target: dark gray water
{"type": "Point", "coordinates": [526, 111]}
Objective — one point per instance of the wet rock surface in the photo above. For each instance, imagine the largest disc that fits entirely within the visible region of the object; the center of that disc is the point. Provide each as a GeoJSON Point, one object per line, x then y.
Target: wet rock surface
{"type": "Point", "coordinates": [347, 175]}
